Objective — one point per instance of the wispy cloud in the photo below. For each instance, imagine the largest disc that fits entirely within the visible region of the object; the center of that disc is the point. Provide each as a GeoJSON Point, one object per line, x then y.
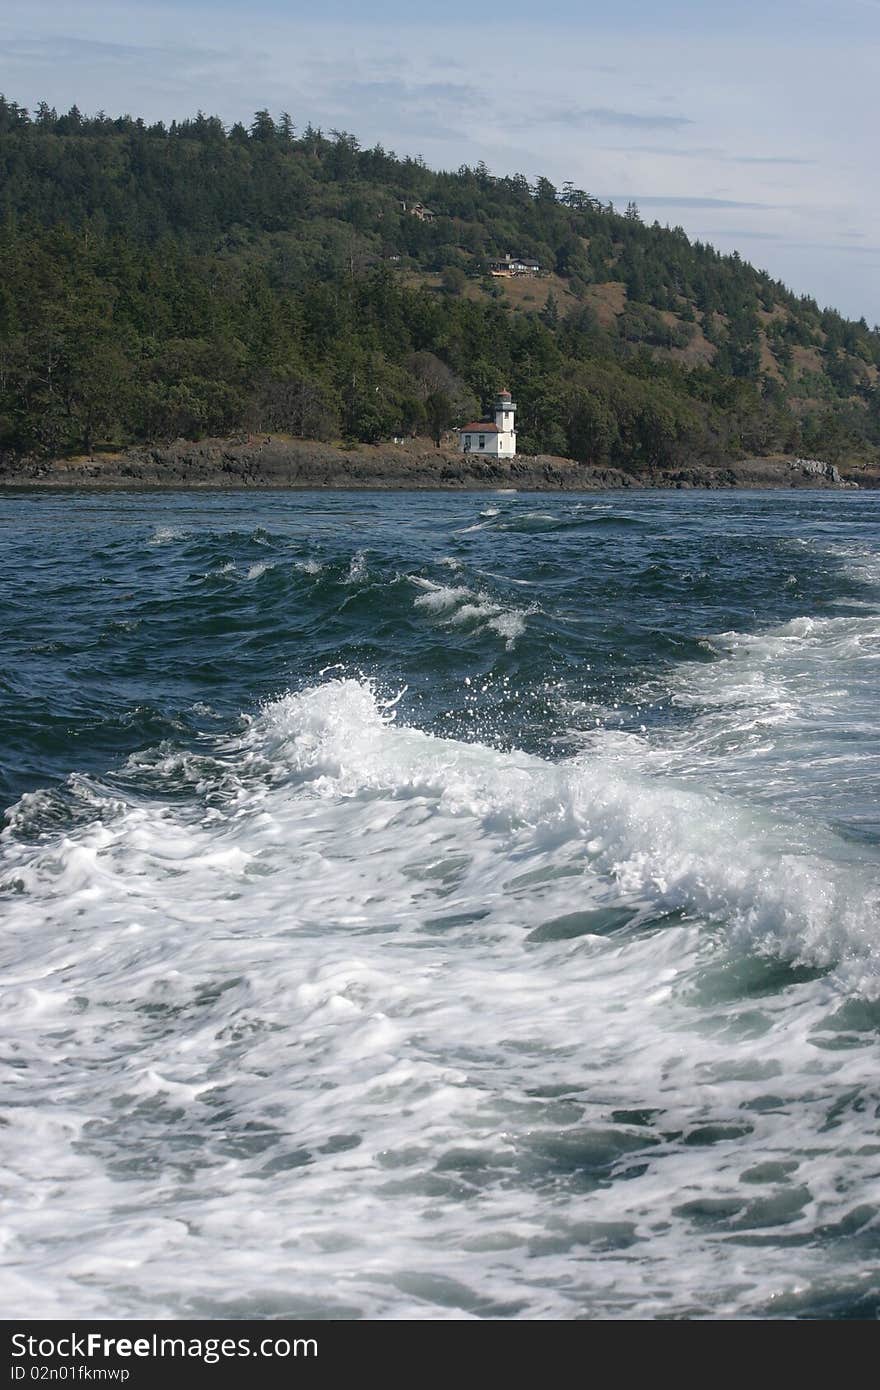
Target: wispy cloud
{"type": "Point", "coordinates": [664, 201]}
{"type": "Point", "coordinates": [431, 109]}
{"type": "Point", "coordinates": [704, 152]}
{"type": "Point", "coordinates": [66, 47]}
{"type": "Point", "coordinates": [844, 247]}
{"type": "Point", "coordinates": [399, 89]}
{"type": "Point", "coordinates": [608, 116]}
{"type": "Point", "coordinates": [744, 234]}
{"type": "Point", "coordinates": [765, 159]}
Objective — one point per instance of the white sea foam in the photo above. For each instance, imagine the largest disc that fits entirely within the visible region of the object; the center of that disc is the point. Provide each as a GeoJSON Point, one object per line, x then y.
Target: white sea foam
{"type": "Point", "coordinates": [789, 715]}
{"type": "Point", "coordinates": [510, 624]}
{"type": "Point", "coordinates": [458, 606]}
{"type": "Point", "coordinates": [440, 598]}
{"type": "Point", "coordinates": [400, 1026]}
{"type": "Point", "coordinates": [163, 535]}
{"type": "Point", "coordinates": [662, 843]}
{"type": "Point", "coordinates": [860, 562]}
{"type": "Point", "coordinates": [257, 570]}
{"type": "Point", "coordinates": [357, 569]}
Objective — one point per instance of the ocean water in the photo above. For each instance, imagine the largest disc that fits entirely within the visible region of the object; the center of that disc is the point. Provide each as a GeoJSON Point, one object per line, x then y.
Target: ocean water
{"type": "Point", "coordinates": [433, 906]}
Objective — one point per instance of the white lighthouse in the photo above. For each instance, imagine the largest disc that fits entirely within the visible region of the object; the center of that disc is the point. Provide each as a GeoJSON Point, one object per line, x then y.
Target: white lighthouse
{"type": "Point", "coordinates": [497, 437]}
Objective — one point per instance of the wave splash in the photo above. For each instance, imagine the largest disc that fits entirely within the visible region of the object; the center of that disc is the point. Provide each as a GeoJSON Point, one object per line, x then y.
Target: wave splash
{"type": "Point", "coordinates": [663, 846]}
{"type": "Point", "coordinates": [359, 969]}
{"type": "Point", "coordinates": [459, 606]}
{"type": "Point", "coordinates": [620, 834]}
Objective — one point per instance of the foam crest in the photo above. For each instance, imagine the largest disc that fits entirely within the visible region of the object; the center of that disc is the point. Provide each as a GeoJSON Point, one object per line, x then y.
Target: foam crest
{"type": "Point", "coordinates": [661, 843]}
{"type": "Point", "coordinates": [789, 716]}
{"type": "Point", "coordinates": [390, 977]}
{"type": "Point", "coordinates": [638, 839]}
{"type": "Point", "coordinates": [164, 535]}
{"type": "Point", "coordinates": [458, 606]}
{"type": "Point", "coordinates": [357, 569]}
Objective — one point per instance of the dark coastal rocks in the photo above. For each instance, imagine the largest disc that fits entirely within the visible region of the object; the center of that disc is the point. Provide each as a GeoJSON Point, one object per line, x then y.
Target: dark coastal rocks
{"type": "Point", "coordinates": [267, 461]}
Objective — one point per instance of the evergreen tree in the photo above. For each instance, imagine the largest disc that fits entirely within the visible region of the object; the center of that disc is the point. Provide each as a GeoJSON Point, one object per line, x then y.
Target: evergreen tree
{"type": "Point", "coordinates": [550, 312]}
{"type": "Point", "coordinates": [263, 127]}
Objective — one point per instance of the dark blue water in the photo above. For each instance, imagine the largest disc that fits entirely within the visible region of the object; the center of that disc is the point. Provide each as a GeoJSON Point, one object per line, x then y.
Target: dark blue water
{"type": "Point", "coordinates": [125, 613]}
{"type": "Point", "coordinates": [426, 905]}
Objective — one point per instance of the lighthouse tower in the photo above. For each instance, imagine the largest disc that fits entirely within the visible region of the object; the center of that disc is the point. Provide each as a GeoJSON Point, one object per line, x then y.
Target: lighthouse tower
{"type": "Point", "coordinates": [496, 437]}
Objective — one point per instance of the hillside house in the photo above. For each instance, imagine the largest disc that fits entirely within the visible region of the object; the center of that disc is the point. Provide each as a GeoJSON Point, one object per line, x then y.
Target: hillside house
{"type": "Point", "coordinates": [509, 266]}
{"type": "Point", "coordinates": [417, 210]}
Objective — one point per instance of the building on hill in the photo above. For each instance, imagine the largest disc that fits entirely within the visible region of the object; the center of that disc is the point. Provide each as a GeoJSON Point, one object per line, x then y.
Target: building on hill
{"type": "Point", "coordinates": [417, 210]}
{"type": "Point", "coordinates": [515, 265]}
{"type": "Point", "coordinates": [496, 437]}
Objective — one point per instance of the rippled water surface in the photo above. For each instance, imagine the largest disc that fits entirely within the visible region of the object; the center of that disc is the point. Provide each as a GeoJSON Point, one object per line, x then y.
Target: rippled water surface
{"type": "Point", "coordinates": [436, 906]}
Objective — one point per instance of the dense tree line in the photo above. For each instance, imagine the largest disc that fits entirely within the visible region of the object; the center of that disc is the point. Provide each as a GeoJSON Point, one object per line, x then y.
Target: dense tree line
{"type": "Point", "coordinates": [186, 280]}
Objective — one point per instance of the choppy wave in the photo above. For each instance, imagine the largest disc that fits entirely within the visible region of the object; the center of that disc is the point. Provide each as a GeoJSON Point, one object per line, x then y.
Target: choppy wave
{"type": "Point", "coordinates": [460, 606]}
{"type": "Point", "coordinates": [312, 1011]}
{"type": "Point", "coordinates": [486, 963]}
{"type": "Point", "coordinates": [790, 716]}
{"type": "Point", "coordinates": [258, 570]}
{"type": "Point", "coordinates": [165, 534]}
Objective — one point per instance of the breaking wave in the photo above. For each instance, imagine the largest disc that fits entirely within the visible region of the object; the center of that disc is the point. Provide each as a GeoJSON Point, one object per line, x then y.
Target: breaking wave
{"type": "Point", "coordinates": [314, 1011]}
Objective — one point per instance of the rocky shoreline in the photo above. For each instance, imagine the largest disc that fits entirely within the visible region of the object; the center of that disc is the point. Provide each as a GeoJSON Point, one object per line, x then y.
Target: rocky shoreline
{"type": "Point", "coordinates": [266, 461]}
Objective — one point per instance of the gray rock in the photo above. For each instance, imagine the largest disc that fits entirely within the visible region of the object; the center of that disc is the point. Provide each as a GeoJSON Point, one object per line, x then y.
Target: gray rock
{"type": "Point", "coordinates": [817, 468]}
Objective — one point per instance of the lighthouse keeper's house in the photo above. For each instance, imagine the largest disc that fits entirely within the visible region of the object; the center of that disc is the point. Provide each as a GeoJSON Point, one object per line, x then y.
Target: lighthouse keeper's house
{"type": "Point", "coordinates": [496, 437]}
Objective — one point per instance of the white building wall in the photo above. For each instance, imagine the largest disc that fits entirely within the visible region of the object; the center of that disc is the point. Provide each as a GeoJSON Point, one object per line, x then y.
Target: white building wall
{"type": "Point", "coordinates": [497, 443]}
{"type": "Point", "coordinates": [506, 435]}
{"type": "Point", "coordinates": [493, 444]}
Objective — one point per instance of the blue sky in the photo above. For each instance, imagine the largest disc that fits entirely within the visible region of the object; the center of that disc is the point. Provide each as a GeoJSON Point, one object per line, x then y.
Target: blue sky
{"type": "Point", "coordinates": [753, 125]}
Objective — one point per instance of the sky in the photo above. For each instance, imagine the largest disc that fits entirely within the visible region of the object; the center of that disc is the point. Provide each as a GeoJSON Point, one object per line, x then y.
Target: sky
{"type": "Point", "coordinates": [753, 125]}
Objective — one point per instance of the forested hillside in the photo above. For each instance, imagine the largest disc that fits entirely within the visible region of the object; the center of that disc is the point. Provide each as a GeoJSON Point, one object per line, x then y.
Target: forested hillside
{"type": "Point", "coordinates": [162, 282]}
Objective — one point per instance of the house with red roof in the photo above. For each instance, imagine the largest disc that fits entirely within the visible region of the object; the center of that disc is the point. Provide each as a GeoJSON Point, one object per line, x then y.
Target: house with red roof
{"type": "Point", "coordinates": [496, 437]}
